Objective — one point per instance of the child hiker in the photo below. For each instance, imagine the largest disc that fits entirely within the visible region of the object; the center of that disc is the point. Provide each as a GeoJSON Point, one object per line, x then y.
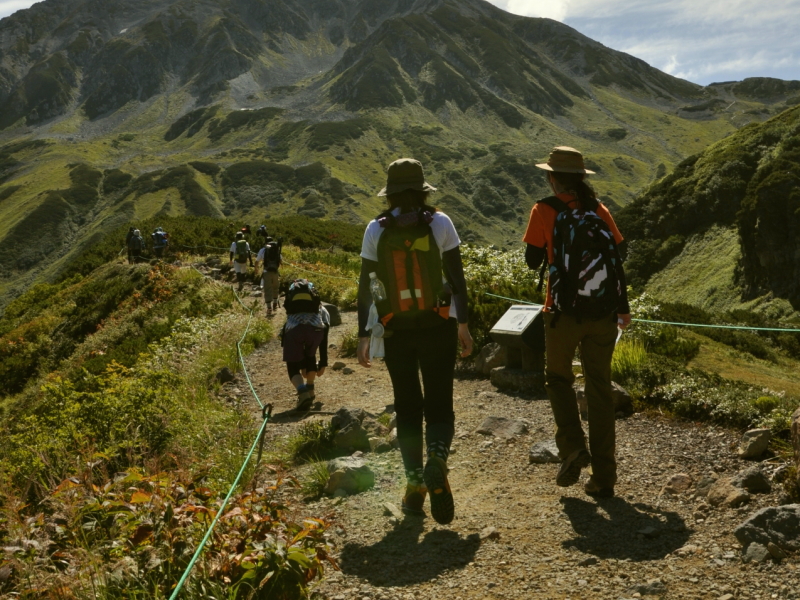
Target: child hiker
{"type": "Point", "coordinates": [305, 331]}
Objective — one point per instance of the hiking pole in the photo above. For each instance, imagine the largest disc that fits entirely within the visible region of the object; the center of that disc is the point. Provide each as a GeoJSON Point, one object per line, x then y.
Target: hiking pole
{"type": "Point", "coordinates": [266, 413]}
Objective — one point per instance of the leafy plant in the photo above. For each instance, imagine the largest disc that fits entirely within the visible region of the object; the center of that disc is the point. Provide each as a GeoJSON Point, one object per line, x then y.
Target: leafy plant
{"type": "Point", "coordinates": [348, 347]}
{"type": "Point", "coordinates": [629, 356]}
{"type": "Point", "coordinates": [313, 439]}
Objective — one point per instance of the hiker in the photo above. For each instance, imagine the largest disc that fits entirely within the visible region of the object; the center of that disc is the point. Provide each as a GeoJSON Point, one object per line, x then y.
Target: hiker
{"type": "Point", "coordinates": [584, 307]}
{"type": "Point", "coordinates": [135, 246]}
{"type": "Point", "coordinates": [160, 242]}
{"type": "Point", "coordinates": [415, 246]}
{"type": "Point", "coordinates": [270, 257]}
{"type": "Point", "coordinates": [305, 331]}
{"type": "Point", "coordinates": [239, 257]}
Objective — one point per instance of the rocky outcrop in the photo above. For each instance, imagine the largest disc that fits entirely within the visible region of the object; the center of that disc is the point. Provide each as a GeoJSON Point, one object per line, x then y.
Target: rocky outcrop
{"type": "Point", "coordinates": [779, 525]}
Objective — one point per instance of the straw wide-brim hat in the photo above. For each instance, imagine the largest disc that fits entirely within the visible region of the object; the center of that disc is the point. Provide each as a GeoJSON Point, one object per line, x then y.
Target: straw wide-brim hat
{"type": "Point", "coordinates": [564, 159]}
{"type": "Point", "coordinates": [405, 174]}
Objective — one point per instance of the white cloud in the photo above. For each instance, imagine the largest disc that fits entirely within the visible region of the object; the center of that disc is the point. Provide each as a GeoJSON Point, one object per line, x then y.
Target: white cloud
{"type": "Point", "coordinates": [704, 42]}
{"type": "Point", "coordinates": [11, 6]}
{"type": "Point", "coordinates": [551, 9]}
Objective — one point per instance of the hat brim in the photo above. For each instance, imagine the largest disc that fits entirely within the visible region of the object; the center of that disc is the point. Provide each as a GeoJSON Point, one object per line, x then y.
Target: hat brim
{"type": "Point", "coordinates": [547, 167]}
{"type": "Point", "coordinates": [401, 187]}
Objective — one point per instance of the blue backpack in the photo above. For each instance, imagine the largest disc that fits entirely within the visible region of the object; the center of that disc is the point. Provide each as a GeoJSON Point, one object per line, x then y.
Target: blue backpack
{"type": "Point", "coordinates": [583, 275]}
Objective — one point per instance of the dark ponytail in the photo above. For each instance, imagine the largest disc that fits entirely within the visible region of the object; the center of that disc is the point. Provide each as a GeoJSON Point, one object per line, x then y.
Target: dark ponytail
{"type": "Point", "coordinates": [575, 183]}
{"type": "Point", "coordinates": [409, 200]}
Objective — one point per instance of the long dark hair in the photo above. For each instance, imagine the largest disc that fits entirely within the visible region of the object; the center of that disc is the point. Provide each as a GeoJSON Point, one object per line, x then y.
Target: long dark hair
{"type": "Point", "coordinates": [409, 200]}
{"type": "Point", "coordinates": [575, 183]}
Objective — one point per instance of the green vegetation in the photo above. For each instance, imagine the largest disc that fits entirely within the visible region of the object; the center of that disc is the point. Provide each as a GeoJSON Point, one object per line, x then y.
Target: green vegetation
{"type": "Point", "coordinates": [240, 119]}
{"type": "Point", "coordinates": [191, 123]}
{"type": "Point", "coordinates": [312, 440]}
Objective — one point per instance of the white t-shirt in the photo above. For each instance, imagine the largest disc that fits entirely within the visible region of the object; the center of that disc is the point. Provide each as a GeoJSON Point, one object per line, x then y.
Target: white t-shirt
{"type": "Point", "coordinates": [444, 232]}
{"type": "Point", "coordinates": [233, 249]}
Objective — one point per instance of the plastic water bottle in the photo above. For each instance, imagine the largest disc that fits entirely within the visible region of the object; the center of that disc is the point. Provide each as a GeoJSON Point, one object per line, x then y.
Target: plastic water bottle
{"type": "Point", "coordinates": [377, 288]}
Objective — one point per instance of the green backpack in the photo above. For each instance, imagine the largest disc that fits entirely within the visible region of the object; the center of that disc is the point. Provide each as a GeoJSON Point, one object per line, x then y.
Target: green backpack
{"type": "Point", "coordinates": [242, 253]}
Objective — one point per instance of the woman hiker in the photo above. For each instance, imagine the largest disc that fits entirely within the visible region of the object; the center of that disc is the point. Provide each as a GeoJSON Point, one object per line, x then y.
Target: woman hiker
{"type": "Point", "coordinates": [411, 268]}
{"type": "Point", "coordinates": [584, 307]}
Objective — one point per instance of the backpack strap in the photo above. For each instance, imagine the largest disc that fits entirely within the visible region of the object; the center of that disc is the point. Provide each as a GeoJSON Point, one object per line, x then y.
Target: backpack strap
{"type": "Point", "coordinates": [559, 206]}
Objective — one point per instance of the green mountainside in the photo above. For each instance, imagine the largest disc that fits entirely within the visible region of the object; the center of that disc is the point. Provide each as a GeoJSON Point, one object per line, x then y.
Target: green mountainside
{"type": "Point", "coordinates": [721, 230]}
{"type": "Point", "coordinates": [118, 112]}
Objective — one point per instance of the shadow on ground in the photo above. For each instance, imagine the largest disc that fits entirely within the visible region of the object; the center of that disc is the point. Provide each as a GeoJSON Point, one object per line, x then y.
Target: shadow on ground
{"type": "Point", "coordinates": [402, 558]}
{"type": "Point", "coordinates": [614, 528]}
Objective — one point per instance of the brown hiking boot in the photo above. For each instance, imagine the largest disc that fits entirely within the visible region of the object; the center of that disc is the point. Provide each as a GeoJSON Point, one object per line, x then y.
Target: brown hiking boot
{"type": "Point", "coordinates": [595, 491]}
{"type": "Point", "coordinates": [414, 499]}
{"type": "Point", "coordinates": [570, 470]}
{"type": "Point", "coordinates": [442, 506]}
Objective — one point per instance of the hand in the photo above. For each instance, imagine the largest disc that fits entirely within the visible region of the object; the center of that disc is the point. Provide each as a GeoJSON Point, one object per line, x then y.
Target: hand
{"type": "Point", "coordinates": [320, 371]}
{"type": "Point", "coordinates": [623, 321]}
{"type": "Point", "coordinates": [363, 352]}
{"type": "Point", "coordinates": [465, 337]}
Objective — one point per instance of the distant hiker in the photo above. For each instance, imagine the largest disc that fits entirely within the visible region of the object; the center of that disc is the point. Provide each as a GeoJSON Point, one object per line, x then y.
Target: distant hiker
{"type": "Point", "coordinates": [135, 246]}
{"type": "Point", "coordinates": [586, 301]}
{"type": "Point", "coordinates": [270, 257]}
{"type": "Point", "coordinates": [411, 264]}
{"type": "Point", "coordinates": [129, 235]}
{"type": "Point", "coordinates": [305, 331]}
{"type": "Point", "coordinates": [262, 233]}
{"type": "Point", "coordinates": [160, 242]}
{"type": "Point", "coordinates": [240, 256]}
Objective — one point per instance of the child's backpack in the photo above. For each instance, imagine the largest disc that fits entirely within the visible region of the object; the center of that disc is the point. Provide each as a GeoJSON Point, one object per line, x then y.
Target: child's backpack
{"type": "Point", "coordinates": [272, 256]}
{"type": "Point", "coordinates": [301, 297]}
{"type": "Point", "coordinates": [410, 267]}
{"type": "Point", "coordinates": [242, 254]}
{"type": "Point", "coordinates": [583, 275]}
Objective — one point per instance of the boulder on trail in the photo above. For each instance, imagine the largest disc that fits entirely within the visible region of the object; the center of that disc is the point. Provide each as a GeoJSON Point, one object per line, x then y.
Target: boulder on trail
{"type": "Point", "coordinates": [754, 443]}
{"type": "Point", "coordinates": [678, 484]}
{"type": "Point", "coordinates": [350, 475]}
{"type": "Point", "coordinates": [544, 452]}
{"type": "Point", "coordinates": [779, 525]}
{"type": "Point", "coordinates": [756, 553]}
{"type": "Point", "coordinates": [491, 355]}
{"type": "Point", "coordinates": [347, 423]}
{"type": "Point", "coordinates": [753, 479]}
{"type": "Point", "coordinates": [723, 492]}
{"type": "Point", "coordinates": [502, 427]}
{"type": "Point", "coordinates": [333, 311]}
{"type": "Point", "coordinates": [623, 402]}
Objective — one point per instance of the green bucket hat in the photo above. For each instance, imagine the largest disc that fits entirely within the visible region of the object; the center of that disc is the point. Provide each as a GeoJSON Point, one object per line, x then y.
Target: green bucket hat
{"type": "Point", "coordinates": [405, 174]}
{"type": "Point", "coordinates": [564, 159]}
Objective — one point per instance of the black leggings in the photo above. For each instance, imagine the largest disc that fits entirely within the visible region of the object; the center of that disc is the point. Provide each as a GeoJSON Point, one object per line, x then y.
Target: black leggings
{"type": "Point", "coordinates": [433, 353]}
{"type": "Point", "coordinates": [308, 363]}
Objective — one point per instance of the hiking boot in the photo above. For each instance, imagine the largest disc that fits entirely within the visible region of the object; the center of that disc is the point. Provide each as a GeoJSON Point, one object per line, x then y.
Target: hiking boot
{"type": "Point", "coordinates": [570, 470]}
{"type": "Point", "coordinates": [435, 474]}
{"type": "Point", "coordinates": [595, 491]}
{"type": "Point", "coordinates": [303, 398]}
{"type": "Point", "coordinates": [269, 313]}
{"type": "Point", "coordinates": [414, 499]}
{"type": "Point", "coordinates": [275, 305]}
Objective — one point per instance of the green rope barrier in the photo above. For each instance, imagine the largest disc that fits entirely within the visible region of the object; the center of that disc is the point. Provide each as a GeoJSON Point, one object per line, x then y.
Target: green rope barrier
{"type": "Point", "coordinates": [676, 324]}
{"type": "Point", "coordinates": [266, 412]}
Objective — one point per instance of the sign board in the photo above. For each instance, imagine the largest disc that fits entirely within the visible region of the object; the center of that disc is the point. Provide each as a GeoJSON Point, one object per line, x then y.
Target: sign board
{"type": "Point", "coordinates": [517, 318]}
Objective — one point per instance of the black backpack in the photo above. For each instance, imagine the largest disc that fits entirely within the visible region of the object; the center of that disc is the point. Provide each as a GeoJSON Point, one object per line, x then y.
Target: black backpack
{"type": "Point", "coordinates": [272, 256]}
{"type": "Point", "coordinates": [136, 243]}
{"type": "Point", "coordinates": [302, 297]}
{"type": "Point", "coordinates": [583, 276]}
{"type": "Point", "coordinates": [410, 267]}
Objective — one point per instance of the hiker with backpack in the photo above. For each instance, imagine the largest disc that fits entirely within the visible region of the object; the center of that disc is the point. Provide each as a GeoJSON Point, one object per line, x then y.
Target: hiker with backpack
{"type": "Point", "coordinates": [305, 332]}
{"type": "Point", "coordinates": [160, 242]}
{"type": "Point", "coordinates": [586, 303]}
{"type": "Point", "coordinates": [240, 256]}
{"type": "Point", "coordinates": [270, 257]}
{"type": "Point", "coordinates": [135, 246]}
{"type": "Point", "coordinates": [413, 298]}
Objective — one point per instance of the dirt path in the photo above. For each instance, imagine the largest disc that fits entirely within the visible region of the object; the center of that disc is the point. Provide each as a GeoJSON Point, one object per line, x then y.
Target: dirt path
{"type": "Point", "coordinates": [551, 542]}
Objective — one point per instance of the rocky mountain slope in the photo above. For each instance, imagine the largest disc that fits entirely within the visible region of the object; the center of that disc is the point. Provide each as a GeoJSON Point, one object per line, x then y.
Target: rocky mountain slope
{"type": "Point", "coordinates": [112, 112]}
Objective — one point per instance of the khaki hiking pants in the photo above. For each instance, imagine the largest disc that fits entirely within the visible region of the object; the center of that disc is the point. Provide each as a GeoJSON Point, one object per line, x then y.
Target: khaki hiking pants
{"type": "Point", "coordinates": [596, 340]}
{"type": "Point", "coordinates": [271, 282]}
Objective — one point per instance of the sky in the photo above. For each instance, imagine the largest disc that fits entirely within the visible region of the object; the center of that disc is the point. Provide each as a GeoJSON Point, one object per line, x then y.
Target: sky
{"type": "Point", "coordinates": [703, 41]}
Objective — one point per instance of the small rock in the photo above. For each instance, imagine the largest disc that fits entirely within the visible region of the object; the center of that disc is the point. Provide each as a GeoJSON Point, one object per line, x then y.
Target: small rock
{"type": "Point", "coordinates": [776, 552]}
{"type": "Point", "coordinates": [703, 486]}
{"type": "Point", "coordinates": [653, 587]}
{"type": "Point", "coordinates": [738, 498]}
{"type": "Point", "coordinates": [391, 510]}
{"type": "Point", "coordinates": [347, 371]}
{"type": "Point", "coordinates": [380, 445]}
{"type": "Point", "coordinates": [544, 452]}
{"type": "Point", "coordinates": [489, 533]}
{"type": "Point", "coordinates": [686, 550]}
{"type": "Point", "coordinates": [224, 375]}
{"type": "Point", "coordinates": [648, 532]}
{"type": "Point", "coordinates": [777, 524]}
{"type": "Point", "coordinates": [338, 365]}
{"type": "Point", "coordinates": [754, 480]}
{"type": "Point", "coordinates": [677, 484]}
{"type": "Point", "coordinates": [754, 443]}
{"type": "Point", "coordinates": [491, 355]}
{"type": "Point", "coordinates": [756, 553]}
{"type": "Point", "coordinates": [333, 311]}
{"type": "Point", "coordinates": [721, 490]}
{"type": "Point", "coordinates": [393, 438]}
{"type": "Point", "coordinates": [727, 597]}
{"type": "Point", "coordinates": [349, 474]}
{"type": "Point", "coordinates": [502, 427]}
{"type": "Point", "coordinates": [588, 562]}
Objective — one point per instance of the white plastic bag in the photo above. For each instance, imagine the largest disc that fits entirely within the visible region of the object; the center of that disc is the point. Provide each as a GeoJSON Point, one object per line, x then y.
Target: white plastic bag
{"type": "Point", "coordinates": [375, 327]}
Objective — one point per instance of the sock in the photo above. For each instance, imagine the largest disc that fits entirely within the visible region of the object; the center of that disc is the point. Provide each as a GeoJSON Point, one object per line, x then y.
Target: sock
{"type": "Point", "coordinates": [414, 477]}
{"type": "Point", "coordinates": [310, 386]}
{"type": "Point", "coordinates": [438, 449]}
